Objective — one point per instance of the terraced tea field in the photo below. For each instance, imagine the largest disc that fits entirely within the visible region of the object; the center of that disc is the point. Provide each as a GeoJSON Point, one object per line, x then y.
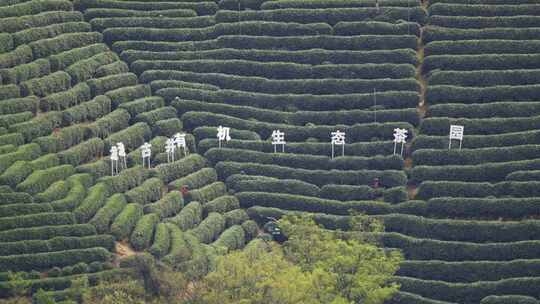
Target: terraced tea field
{"type": "Point", "coordinates": [77, 77]}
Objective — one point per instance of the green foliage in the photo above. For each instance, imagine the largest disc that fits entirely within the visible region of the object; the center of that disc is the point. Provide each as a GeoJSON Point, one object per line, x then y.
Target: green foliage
{"type": "Point", "coordinates": [83, 152]}
{"type": "Point", "coordinates": [86, 69]}
{"type": "Point", "coordinates": [132, 137]}
{"type": "Point", "coordinates": [162, 241]}
{"type": "Point", "coordinates": [168, 206]}
{"type": "Point", "coordinates": [34, 7]}
{"type": "Point", "coordinates": [235, 217]}
{"type": "Point", "coordinates": [292, 86]}
{"type": "Point", "coordinates": [180, 168]}
{"type": "Point", "coordinates": [125, 222]}
{"type": "Point", "coordinates": [210, 228]}
{"type": "Point", "coordinates": [110, 123]}
{"type": "Point", "coordinates": [52, 46]}
{"type": "Point", "coordinates": [95, 199]}
{"type": "Point", "coordinates": [51, 259]}
{"type": "Point", "coordinates": [15, 24]}
{"type": "Point", "coordinates": [100, 86]}
{"type": "Point", "coordinates": [69, 57]}
{"type": "Point", "coordinates": [46, 232]}
{"type": "Point", "coordinates": [195, 180]}
{"type": "Point", "coordinates": [39, 126]}
{"type": "Point", "coordinates": [149, 191]}
{"type": "Point", "coordinates": [167, 127]}
{"type": "Point", "coordinates": [142, 105]}
{"type": "Point", "coordinates": [22, 54]}
{"type": "Point", "coordinates": [388, 178]}
{"type": "Point", "coordinates": [24, 152]}
{"type": "Point", "coordinates": [125, 180]}
{"type": "Point", "coordinates": [151, 117]}
{"type": "Point", "coordinates": [24, 72]}
{"type": "Point", "coordinates": [57, 244]}
{"type": "Point", "coordinates": [40, 180]}
{"type": "Point", "coordinates": [306, 102]}
{"type": "Point", "coordinates": [17, 105]}
{"type": "Point", "coordinates": [105, 216]}
{"type": "Point", "coordinates": [55, 82]}
{"type": "Point", "coordinates": [509, 299]}
{"type": "Point", "coordinates": [70, 101]}
{"type": "Point", "coordinates": [143, 233]}
{"type": "Point", "coordinates": [232, 238]}
{"type": "Point", "coordinates": [127, 94]}
{"type": "Point", "coordinates": [207, 193]}
{"type": "Point", "coordinates": [189, 217]}
{"type": "Point", "coordinates": [202, 8]}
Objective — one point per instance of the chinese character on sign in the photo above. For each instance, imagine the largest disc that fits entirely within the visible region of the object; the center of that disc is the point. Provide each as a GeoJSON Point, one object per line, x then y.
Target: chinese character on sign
{"type": "Point", "coordinates": [122, 154]}
{"type": "Point", "coordinates": [400, 137]}
{"type": "Point", "coordinates": [114, 160]}
{"type": "Point", "coordinates": [456, 132]}
{"type": "Point", "coordinates": [338, 139]}
{"type": "Point", "coordinates": [223, 134]}
{"type": "Point", "coordinates": [146, 152]}
{"type": "Point", "coordinates": [170, 147]}
{"type": "Point", "coordinates": [180, 141]}
{"type": "Point", "coordinates": [278, 138]}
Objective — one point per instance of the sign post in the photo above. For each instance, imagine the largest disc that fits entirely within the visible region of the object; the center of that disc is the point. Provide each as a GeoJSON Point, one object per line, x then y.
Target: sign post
{"type": "Point", "coordinates": [338, 139]}
{"type": "Point", "coordinates": [278, 138]}
{"type": "Point", "coordinates": [223, 134]}
{"type": "Point", "coordinates": [146, 152]}
{"type": "Point", "coordinates": [456, 132]}
{"type": "Point", "coordinates": [400, 136]}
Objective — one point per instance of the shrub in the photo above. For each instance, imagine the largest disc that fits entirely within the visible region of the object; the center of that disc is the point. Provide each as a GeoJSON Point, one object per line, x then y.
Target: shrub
{"type": "Point", "coordinates": [167, 206]}
{"type": "Point", "coordinates": [376, 28]}
{"type": "Point", "coordinates": [97, 169]}
{"type": "Point", "coordinates": [179, 252]}
{"type": "Point", "coordinates": [328, 15]}
{"type": "Point", "coordinates": [486, 110]}
{"type": "Point", "coordinates": [162, 241]}
{"type": "Point", "coordinates": [132, 137]}
{"type": "Point", "coordinates": [105, 84]}
{"type": "Point", "coordinates": [307, 102]}
{"type": "Point", "coordinates": [104, 217]}
{"type": "Point", "coordinates": [484, 78]}
{"type": "Point", "coordinates": [117, 67]}
{"type": "Point", "coordinates": [437, 125]}
{"type": "Point", "coordinates": [441, 33]}
{"type": "Point", "coordinates": [389, 178]}
{"type": "Point", "coordinates": [347, 192]}
{"type": "Point", "coordinates": [488, 172]}
{"type": "Point", "coordinates": [210, 228]}
{"type": "Point", "coordinates": [40, 180]}
{"type": "Point", "coordinates": [533, 175]}
{"type": "Point", "coordinates": [125, 180]}
{"type": "Point", "coordinates": [51, 259]}
{"type": "Point", "coordinates": [93, 13]}
{"type": "Point", "coordinates": [311, 162]}
{"type": "Point", "coordinates": [481, 46]}
{"type": "Point", "coordinates": [69, 57]}
{"type": "Point", "coordinates": [82, 153]}
{"type": "Point", "coordinates": [207, 193]}
{"type": "Point", "coordinates": [141, 105]}
{"type": "Point", "coordinates": [114, 121]}
{"type": "Point", "coordinates": [17, 105]}
{"type": "Point", "coordinates": [314, 4]}
{"type": "Point", "coordinates": [24, 152]}
{"type": "Point", "coordinates": [474, 156]}
{"type": "Point", "coordinates": [124, 223]}
{"type": "Point", "coordinates": [8, 198]}
{"type": "Point", "coordinates": [149, 191]}
{"type": "Point", "coordinates": [135, 157]}
{"type": "Point", "coordinates": [91, 110]}
{"type": "Point", "coordinates": [309, 56]}
{"type": "Point", "coordinates": [180, 168]}
{"type": "Point", "coordinates": [46, 232]}
{"type": "Point", "coordinates": [49, 31]}
{"type": "Point", "coordinates": [24, 209]}
{"type": "Point", "coordinates": [39, 126]}
{"type": "Point", "coordinates": [507, 208]}
{"type": "Point", "coordinates": [96, 198]}
{"type": "Point", "coordinates": [54, 192]}
{"type": "Point", "coordinates": [16, 24]}
{"type": "Point", "coordinates": [52, 46]}
{"type": "Point", "coordinates": [509, 299]}
{"type": "Point", "coordinates": [20, 55]}
{"type": "Point", "coordinates": [279, 70]}
{"type": "Point", "coordinates": [480, 62]}
{"type": "Point", "coordinates": [10, 91]}
{"type": "Point", "coordinates": [86, 69]}
{"type": "Point", "coordinates": [189, 217]}
{"type": "Point", "coordinates": [151, 117]}
{"type": "Point", "coordinates": [274, 185]}
{"type": "Point", "coordinates": [395, 195]}
{"type": "Point", "coordinates": [144, 231]}
{"type": "Point", "coordinates": [55, 82]}
{"type": "Point", "coordinates": [73, 97]}
{"type": "Point", "coordinates": [127, 94]}
{"type": "Point", "coordinates": [24, 72]}
{"type": "Point", "coordinates": [35, 7]}
{"type": "Point", "coordinates": [481, 10]}
{"type": "Point", "coordinates": [232, 238]}
{"type": "Point", "coordinates": [167, 127]}
{"type": "Point", "coordinates": [38, 219]}
{"type": "Point", "coordinates": [195, 180]}
{"type": "Point", "coordinates": [202, 8]}
{"type": "Point", "coordinates": [479, 141]}
{"type": "Point", "coordinates": [292, 86]}
{"type": "Point", "coordinates": [16, 173]}
{"type": "Point", "coordinates": [100, 24]}
{"type": "Point", "coordinates": [235, 217]}
{"type": "Point", "coordinates": [251, 229]}
{"type": "Point", "coordinates": [221, 204]}
{"type": "Point", "coordinates": [357, 132]}
{"type": "Point", "coordinates": [57, 244]}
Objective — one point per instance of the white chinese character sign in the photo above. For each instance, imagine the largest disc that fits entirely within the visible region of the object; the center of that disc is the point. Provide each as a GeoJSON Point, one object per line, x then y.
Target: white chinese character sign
{"type": "Point", "coordinates": [456, 132]}
{"type": "Point", "coordinates": [180, 142]}
{"type": "Point", "coordinates": [122, 154]}
{"type": "Point", "coordinates": [278, 138]}
{"type": "Point", "coordinates": [223, 134]}
{"type": "Point", "coordinates": [170, 147]}
{"type": "Point", "coordinates": [400, 137]}
{"type": "Point", "coordinates": [146, 152]}
{"type": "Point", "coordinates": [114, 160]}
{"type": "Point", "coordinates": [338, 139]}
